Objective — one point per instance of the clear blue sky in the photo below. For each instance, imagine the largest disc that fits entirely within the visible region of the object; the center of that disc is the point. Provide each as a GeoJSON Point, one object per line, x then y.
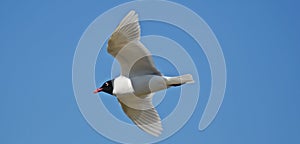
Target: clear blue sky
{"type": "Point", "coordinates": [260, 41]}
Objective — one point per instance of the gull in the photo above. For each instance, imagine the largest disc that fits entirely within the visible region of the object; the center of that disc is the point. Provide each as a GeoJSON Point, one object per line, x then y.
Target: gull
{"type": "Point", "coordinates": [139, 78]}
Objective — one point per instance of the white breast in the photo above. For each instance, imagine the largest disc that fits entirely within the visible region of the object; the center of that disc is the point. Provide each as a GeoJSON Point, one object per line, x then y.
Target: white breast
{"type": "Point", "coordinates": [122, 85]}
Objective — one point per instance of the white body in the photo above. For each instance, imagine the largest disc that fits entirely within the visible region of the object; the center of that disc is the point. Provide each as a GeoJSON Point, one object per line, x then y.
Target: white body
{"type": "Point", "coordinates": [139, 77]}
{"type": "Point", "coordinates": [146, 84]}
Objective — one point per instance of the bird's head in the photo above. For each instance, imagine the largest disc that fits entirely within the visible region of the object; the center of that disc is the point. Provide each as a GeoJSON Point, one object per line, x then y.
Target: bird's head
{"type": "Point", "coordinates": [106, 87]}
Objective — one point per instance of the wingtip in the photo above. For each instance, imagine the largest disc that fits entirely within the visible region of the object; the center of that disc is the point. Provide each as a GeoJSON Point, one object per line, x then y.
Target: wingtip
{"type": "Point", "coordinates": [132, 12]}
{"type": "Point", "coordinates": [156, 135]}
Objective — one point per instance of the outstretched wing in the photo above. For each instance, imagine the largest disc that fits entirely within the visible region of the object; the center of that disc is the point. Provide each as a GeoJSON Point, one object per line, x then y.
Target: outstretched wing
{"type": "Point", "coordinates": [142, 113]}
{"type": "Point", "coordinates": [124, 44]}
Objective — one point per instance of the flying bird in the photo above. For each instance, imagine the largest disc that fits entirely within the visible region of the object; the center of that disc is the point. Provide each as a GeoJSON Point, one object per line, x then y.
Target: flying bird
{"type": "Point", "coordinates": [139, 78]}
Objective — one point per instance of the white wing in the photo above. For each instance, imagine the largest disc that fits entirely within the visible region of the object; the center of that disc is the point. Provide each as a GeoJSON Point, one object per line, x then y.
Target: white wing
{"type": "Point", "coordinates": [131, 54]}
{"type": "Point", "coordinates": [142, 113]}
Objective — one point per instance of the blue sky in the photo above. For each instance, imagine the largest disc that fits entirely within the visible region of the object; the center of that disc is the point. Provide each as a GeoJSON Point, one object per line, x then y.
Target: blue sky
{"type": "Point", "coordinates": [259, 39]}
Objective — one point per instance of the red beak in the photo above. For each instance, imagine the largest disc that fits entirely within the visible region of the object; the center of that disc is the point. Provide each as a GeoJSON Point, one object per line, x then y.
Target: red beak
{"type": "Point", "coordinates": [98, 90]}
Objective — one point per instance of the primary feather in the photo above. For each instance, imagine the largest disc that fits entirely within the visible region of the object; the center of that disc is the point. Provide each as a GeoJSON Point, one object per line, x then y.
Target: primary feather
{"type": "Point", "coordinates": [132, 55]}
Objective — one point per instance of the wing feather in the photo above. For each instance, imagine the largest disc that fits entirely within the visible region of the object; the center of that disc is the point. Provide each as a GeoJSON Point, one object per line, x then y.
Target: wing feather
{"type": "Point", "coordinates": [132, 55]}
{"type": "Point", "coordinates": [128, 30]}
{"type": "Point", "coordinates": [147, 120]}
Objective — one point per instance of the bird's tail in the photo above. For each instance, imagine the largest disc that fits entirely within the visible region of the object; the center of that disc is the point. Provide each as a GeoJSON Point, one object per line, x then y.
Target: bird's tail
{"type": "Point", "coordinates": [179, 80]}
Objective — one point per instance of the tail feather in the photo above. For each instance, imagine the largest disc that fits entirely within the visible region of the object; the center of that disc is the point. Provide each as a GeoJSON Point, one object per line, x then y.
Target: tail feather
{"type": "Point", "coordinates": [179, 80]}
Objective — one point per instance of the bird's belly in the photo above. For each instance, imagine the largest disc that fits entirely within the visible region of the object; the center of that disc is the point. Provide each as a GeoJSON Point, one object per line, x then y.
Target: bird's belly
{"type": "Point", "coordinates": [147, 84]}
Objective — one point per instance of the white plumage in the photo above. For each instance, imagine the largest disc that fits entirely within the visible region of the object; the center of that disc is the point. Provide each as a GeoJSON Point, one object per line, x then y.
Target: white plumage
{"type": "Point", "coordinates": [139, 77]}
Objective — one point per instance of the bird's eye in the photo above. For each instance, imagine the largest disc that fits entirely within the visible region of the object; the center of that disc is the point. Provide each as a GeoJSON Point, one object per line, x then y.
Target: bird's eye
{"type": "Point", "coordinates": [106, 84]}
